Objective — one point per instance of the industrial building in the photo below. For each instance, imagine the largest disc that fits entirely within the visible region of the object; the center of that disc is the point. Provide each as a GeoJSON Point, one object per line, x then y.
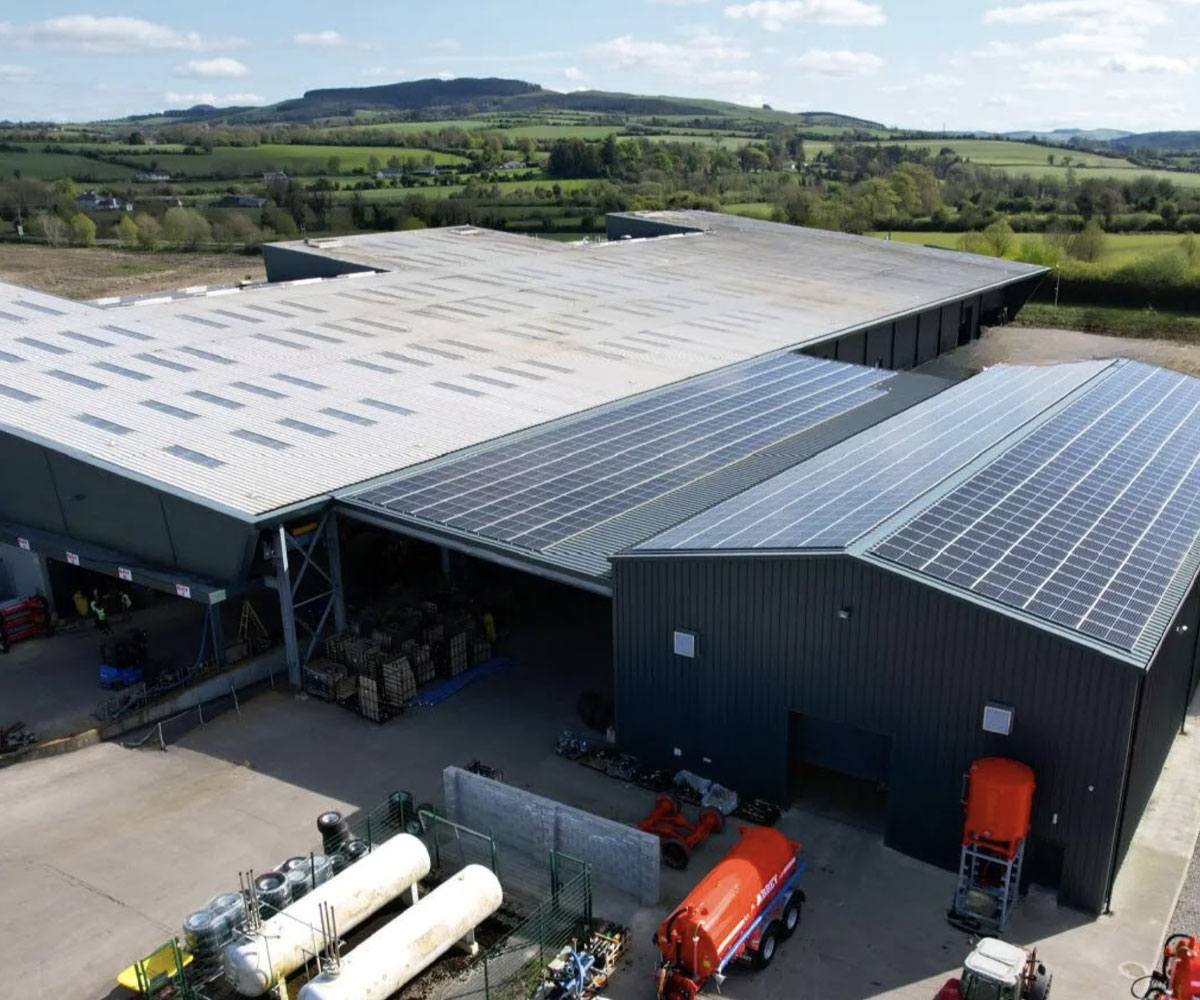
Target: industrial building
{"type": "Point", "coordinates": [712, 421]}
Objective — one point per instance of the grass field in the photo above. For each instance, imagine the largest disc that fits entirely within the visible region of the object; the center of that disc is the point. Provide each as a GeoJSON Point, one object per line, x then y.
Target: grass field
{"type": "Point", "coordinates": [1119, 248]}
{"type": "Point", "coordinates": [434, 192]}
{"type": "Point", "coordinates": [51, 166]}
{"type": "Point", "coordinates": [253, 160]}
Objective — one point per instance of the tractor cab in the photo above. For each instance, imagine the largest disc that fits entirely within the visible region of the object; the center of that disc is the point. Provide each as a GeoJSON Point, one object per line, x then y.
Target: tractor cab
{"type": "Point", "coordinates": [993, 971]}
{"type": "Point", "coordinates": [997, 970]}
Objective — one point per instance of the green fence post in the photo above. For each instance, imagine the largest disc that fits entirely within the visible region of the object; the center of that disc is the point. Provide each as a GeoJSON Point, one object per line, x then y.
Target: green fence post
{"type": "Point", "coordinates": [541, 935]}
{"type": "Point", "coordinates": [369, 843]}
{"type": "Point", "coordinates": [492, 852]}
{"type": "Point", "coordinates": [487, 988]}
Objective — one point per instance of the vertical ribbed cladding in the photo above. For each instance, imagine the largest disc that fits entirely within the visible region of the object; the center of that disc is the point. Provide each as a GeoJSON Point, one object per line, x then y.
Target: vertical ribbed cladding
{"type": "Point", "coordinates": [910, 661]}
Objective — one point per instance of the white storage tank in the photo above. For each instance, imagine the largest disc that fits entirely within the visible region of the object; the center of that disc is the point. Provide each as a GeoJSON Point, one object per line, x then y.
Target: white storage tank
{"type": "Point", "coordinates": [401, 949]}
{"type": "Point", "coordinates": [259, 960]}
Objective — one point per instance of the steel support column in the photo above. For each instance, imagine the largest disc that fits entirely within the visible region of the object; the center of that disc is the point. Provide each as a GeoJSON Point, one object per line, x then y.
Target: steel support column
{"type": "Point", "coordinates": [333, 549]}
{"type": "Point", "coordinates": [279, 556]}
{"type": "Point", "coordinates": [217, 634]}
{"type": "Point", "coordinates": [308, 601]}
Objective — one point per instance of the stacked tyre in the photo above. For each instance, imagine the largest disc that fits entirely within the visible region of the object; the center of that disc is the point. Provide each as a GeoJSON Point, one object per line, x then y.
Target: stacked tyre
{"type": "Point", "coordinates": [274, 892]}
{"type": "Point", "coordinates": [334, 830]}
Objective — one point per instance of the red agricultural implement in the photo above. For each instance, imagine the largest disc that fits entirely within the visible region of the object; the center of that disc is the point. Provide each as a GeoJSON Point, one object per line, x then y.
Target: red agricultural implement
{"type": "Point", "coordinates": [1178, 977]}
{"type": "Point", "coordinates": [742, 909]}
{"type": "Point", "coordinates": [679, 836]}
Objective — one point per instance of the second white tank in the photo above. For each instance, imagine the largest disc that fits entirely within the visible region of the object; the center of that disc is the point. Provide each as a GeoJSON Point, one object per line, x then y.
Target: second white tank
{"type": "Point", "coordinates": [413, 941]}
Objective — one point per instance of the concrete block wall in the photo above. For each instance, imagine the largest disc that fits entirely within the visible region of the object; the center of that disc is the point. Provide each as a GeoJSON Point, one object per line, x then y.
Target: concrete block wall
{"type": "Point", "coordinates": [622, 857]}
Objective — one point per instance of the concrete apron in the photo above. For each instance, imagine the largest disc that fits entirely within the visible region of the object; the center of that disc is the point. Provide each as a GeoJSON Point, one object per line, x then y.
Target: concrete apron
{"type": "Point", "coordinates": [251, 672]}
{"type": "Point", "coordinates": [1099, 958]}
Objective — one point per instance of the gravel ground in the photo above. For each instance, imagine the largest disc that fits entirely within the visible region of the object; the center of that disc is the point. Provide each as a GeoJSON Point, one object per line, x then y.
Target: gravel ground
{"type": "Point", "coordinates": [78, 273]}
{"type": "Point", "coordinates": [1038, 345]}
{"type": "Point", "coordinates": [1186, 919]}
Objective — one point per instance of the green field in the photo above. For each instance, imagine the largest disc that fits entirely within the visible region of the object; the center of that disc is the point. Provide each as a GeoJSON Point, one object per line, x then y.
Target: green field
{"type": "Point", "coordinates": [51, 166]}
{"type": "Point", "coordinates": [436, 191]}
{"type": "Point", "coordinates": [1119, 248]}
{"type": "Point", "coordinates": [249, 161]}
{"type": "Point", "coordinates": [751, 209]}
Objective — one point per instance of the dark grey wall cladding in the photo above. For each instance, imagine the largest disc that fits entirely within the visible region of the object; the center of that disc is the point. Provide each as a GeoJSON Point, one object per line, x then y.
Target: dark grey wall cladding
{"type": "Point", "coordinates": [47, 490]}
{"type": "Point", "coordinates": [1165, 694]}
{"type": "Point", "coordinates": [619, 226]}
{"type": "Point", "coordinates": [911, 662]}
{"type": "Point", "coordinates": [284, 264]}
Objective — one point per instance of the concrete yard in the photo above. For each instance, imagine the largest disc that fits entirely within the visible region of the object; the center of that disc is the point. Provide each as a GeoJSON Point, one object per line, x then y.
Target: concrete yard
{"type": "Point", "coordinates": [109, 848]}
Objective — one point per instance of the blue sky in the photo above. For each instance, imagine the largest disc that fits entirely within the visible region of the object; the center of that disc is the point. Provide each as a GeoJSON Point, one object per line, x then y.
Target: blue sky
{"type": "Point", "coordinates": [995, 64]}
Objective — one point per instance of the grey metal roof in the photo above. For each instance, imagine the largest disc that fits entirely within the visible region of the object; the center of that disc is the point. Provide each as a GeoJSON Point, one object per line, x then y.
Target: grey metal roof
{"type": "Point", "coordinates": [253, 400]}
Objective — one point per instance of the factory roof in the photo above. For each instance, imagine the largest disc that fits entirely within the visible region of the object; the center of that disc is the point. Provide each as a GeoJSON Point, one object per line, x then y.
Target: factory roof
{"type": "Point", "coordinates": [254, 400]}
{"type": "Point", "coordinates": [1067, 495]}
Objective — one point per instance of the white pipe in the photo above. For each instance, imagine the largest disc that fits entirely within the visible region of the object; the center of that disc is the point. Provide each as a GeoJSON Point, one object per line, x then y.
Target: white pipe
{"type": "Point", "coordinates": [406, 946]}
{"type": "Point", "coordinates": [259, 960]}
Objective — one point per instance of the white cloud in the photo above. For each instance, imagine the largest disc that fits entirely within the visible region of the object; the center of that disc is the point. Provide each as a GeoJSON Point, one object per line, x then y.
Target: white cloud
{"type": "Point", "coordinates": [927, 81]}
{"type": "Point", "coordinates": [176, 99]}
{"type": "Point", "coordinates": [327, 39]}
{"type": "Point", "coordinates": [679, 3]}
{"type": "Point", "coordinates": [999, 101]}
{"type": "Point", "coordinates": [838, 62]}
{"type": "Point", "coordinates": [223, 66]}
{"type": "Point", "coordinates": [1082, 41]}
{"type": "Point", "coordinates": [704, 58]}
{"type": "Point", "coordinates": [998, 50]}
{"type": "Point", "coordinates": [107, 35]}
{"type": "Point", "coordinates": [1134, 62]}
{"type": "Point", "coordinates": [446, 45]}
{"type": "Point", "coordinates": [445, 75]}
{"type": "Point", "coordinates": [574, 74]}
{"type": "Point", "coordinates": [11, 73]}
{"type": "Point", "coordinates": [775, 15]}
{"type": "Point", "coordinates": [391, 72]}
{"type": "Point", "coordinates": [1141, 13]}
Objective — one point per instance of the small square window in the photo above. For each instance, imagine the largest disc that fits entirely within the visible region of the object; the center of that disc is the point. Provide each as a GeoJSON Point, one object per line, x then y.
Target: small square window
{"type": "Point", "coordinates": [997, 719]}
{"type": "Point", "coordinates": [685, 643]}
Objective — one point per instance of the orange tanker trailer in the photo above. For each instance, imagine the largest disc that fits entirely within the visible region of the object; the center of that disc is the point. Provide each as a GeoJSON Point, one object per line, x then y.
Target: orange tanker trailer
{"type": "Point", "coordinates": [743, 908]}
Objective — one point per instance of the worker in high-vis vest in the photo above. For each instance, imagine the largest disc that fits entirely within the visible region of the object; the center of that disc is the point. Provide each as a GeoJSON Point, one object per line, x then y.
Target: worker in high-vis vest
{"type": "Point", "coordinates": [100, 613]}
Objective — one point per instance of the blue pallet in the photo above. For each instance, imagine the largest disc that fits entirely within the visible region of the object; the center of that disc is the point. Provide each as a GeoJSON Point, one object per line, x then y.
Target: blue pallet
{"type": "Point", "coordinates": [439, 691]}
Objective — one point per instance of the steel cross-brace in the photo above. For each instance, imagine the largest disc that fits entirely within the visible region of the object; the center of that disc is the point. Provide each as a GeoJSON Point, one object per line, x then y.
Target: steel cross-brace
{"type": "Point", "coordinates": [306, 600]}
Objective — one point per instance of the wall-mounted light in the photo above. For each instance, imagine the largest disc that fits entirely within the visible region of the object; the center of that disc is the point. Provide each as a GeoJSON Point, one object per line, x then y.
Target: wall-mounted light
{"type": "Point", "coordinates": [1180, 629]}
{"type": "Point", "coordinates": [684, 643]}
{"type": "Point", "coordinates": [997, 719]}
{"type": "Point", "coordinates": [845, 613]}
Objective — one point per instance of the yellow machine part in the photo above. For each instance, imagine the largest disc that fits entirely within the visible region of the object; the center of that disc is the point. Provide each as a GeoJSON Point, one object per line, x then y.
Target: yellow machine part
{"type": "Point", "coordinates": [155, 970]}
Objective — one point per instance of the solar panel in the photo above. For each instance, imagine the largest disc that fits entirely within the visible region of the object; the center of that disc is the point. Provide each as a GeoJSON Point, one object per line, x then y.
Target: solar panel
{"type": "Point", "coordinates": [1086, 520]}
{"type": "Point", "coordinates": [546, 486]}
{"type": "Point", "coordinates": [837, 496]}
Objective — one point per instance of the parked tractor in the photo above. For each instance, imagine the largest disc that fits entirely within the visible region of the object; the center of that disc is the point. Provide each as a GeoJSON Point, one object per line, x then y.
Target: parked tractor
{"type": "Point", "coordinates": [997, 970]}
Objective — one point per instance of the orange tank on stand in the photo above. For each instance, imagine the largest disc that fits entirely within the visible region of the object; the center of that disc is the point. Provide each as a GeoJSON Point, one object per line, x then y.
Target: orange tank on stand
{"type": "Point", "coordinates": [999, 806]}
{"type": "Point", "coordinates": [999, 803]}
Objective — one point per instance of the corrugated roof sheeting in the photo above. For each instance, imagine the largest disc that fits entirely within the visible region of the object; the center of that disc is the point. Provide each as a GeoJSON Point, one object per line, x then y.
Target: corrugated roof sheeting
{"type": "Point", "coordinates": [475, 333]}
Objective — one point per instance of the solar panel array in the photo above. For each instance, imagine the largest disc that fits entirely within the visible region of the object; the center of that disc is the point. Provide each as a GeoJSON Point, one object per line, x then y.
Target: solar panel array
{"type": "Point", "coordinates": [834, 498]}
{"type": "Point", "coordinates": [549, 485]}
{"type": "Point", "coordinates": [1085, 521]}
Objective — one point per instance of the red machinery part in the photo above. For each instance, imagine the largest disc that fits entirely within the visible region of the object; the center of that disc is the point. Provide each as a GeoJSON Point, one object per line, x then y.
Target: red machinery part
{"type": "Point", "coordinates": [678, 835]}
{"type": "Point", "coordinates": [999, 804]}
{"type": "Point", "coordinates": [1181, 967]}
{"type": "Point", "coordinates": [707, 927]}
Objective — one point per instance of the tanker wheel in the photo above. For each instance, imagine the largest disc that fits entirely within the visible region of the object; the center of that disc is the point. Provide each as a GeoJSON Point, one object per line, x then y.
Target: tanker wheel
{"type": "Point", "coordinates": [767, 945]}
{"type": "Point", "coordinates": [1040, 988]}
{"type": "Point", "coordinates": [675, 854]}
{"type": "Point", "coordinates": [716, 818]}
{"type": "Point", "coordinates": [790, 921]}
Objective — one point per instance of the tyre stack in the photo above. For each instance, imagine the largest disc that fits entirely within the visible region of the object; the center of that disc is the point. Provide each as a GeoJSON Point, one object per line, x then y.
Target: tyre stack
{"type": "Point", "coordinates": [274, 892]}
{"type": "Point", "coordinates": [206, 933]}
{"type": "Point", "coordinates": [335, 835]}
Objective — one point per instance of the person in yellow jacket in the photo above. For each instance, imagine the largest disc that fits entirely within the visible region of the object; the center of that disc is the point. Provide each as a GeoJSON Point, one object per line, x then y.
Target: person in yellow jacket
{"type": "Point", "coordinates": [101, 615]}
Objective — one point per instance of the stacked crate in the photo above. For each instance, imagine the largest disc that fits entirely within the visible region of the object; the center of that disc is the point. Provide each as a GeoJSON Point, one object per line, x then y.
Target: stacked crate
{"type": "Point", "coordinates": [321, 678]}
{"type": "Point", "coordinates": [481, 651]}
{"type": "Point", "coordinates": [399, 683]}
{"type": "Point", "coordinates": [420, 660]}
{"type": "Point", "coordinates": [458, 658]}
{"type": "Point", "coordinates": [370, 704]}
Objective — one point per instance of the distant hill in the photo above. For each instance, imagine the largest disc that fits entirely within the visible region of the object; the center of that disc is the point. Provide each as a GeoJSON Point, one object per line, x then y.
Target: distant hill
{"type": "Point", "coordinates": [1163, 142]}
{"type": "Point", "coordinates": [1065, 135]}
{"type": "Point", "coordinates": [435, 98]}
